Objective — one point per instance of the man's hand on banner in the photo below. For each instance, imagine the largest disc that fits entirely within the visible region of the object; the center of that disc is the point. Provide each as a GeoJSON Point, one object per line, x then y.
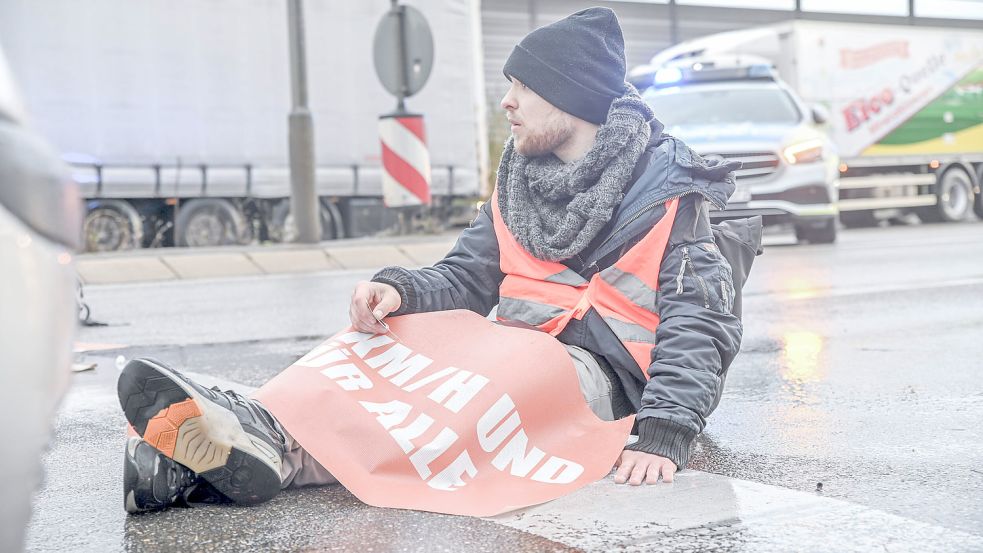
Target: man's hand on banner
{"type": "Point", "coordinates": [634, 467]}
{"type": "Point", "coordinates": [372, 302]}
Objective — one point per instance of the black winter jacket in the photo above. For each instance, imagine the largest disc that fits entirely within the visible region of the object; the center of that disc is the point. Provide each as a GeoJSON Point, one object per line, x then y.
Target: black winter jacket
{"type": "Point", "coordinates": [699, 333]}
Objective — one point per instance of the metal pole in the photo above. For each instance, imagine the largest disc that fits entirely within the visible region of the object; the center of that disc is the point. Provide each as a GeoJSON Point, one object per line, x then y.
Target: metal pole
{"type": "Point", "coordinates": [303, 197]}
{"type": "Point", "coordinates": [911, 12]}
{"type": "Point", "coordinates": [404, 85]}
{"type": "Point", "coordinates": [798, 9]}
{"type": "Point", "coordinates": [673, 23]}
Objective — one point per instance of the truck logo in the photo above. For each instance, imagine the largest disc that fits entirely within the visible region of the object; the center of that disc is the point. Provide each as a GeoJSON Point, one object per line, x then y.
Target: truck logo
{"type": "Point", "coordinates": [857, 59]}
{"type": "Point", "coordinates": [860, 111]}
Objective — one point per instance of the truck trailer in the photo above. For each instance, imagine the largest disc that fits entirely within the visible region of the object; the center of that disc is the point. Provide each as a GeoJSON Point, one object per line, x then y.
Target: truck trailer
{"type": "Point", "coordinates": [903, 106]}
{"type": "Point", "coordinates": [173, 113]}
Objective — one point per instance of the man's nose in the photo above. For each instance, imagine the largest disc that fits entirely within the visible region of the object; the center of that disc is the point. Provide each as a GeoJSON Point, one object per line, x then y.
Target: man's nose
{"type": "Point", "coordinates": [508, 101]}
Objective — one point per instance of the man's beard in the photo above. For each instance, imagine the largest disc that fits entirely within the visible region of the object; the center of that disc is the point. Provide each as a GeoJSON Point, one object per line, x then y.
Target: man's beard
{"type": "Point", "coordinates": [546, 141]}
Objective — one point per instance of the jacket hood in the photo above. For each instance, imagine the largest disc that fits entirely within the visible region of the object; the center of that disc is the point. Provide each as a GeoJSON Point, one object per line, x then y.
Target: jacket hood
{"type": "Point", "coordinates": [675, 170]}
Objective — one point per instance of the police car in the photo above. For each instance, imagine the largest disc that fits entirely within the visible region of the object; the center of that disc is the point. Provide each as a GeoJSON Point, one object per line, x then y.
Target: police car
{"type": "Point", "coordinates": [736, 108]}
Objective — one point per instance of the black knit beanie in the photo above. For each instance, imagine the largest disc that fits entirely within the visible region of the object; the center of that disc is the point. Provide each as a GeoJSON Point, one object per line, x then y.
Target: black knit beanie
{"type": "Point", "coordinates": [577, 63]}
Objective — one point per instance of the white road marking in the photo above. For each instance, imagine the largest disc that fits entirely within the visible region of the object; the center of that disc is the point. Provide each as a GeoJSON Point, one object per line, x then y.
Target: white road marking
{"type": "Point", "coordinates": [706, 509]}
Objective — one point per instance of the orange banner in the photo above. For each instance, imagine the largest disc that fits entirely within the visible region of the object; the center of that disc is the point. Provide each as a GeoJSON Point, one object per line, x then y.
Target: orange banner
{"type": "Point", "coordinates": [449, 412]}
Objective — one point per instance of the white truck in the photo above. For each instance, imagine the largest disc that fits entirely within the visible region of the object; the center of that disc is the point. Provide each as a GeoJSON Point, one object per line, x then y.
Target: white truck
{"type": "Point", "coordinates": [903, 106]}
{"type": "Point", "coordinates": [173, 113]}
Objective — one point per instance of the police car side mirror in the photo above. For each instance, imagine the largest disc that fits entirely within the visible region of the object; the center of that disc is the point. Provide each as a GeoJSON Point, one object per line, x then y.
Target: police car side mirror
{"type": "Point", "coordinates": [819, 115]}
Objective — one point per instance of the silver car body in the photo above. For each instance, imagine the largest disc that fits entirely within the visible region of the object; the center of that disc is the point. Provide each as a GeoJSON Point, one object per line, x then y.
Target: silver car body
{"type": "Point", "coordinates": [768, 184]}
{"type": "Point", "coordinates": [39, 222]}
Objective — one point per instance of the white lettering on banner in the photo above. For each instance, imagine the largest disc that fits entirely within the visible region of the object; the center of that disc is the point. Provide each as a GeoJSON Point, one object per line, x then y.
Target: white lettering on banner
{"type": "Point", "coordinates": [460, 389]}
{"type": "Point", "coordinates": [398, 369]}
{"type": "Point", "coordinates": [390, 413]}
{"type": "Point", "coordinates": [322, 355]}
{"type": "Point", "coordinates": [350, 338]}
{"type": "Point", "coordinates": [497, 424]}
{"type": "Point", "coordinates": [450, 479]}
{"type": "Point", "coordinates": [365, 346]}
{"type": "Point", "coordinates": [400, 365]}
{"type": "Point", "coordinates": [315, 353]}
{"type": "Point", "coordinates": [568, 471]}
{"type": "Point", "coordinates": [430, 379]}
{"type": "Point", "coordinates": [422, 458]}
{"type": "Point", "coordinates": [348, 376]}
{"type": "Point", "coordinates": [495, 416]}
{"type": "Point", "coordinates": [514, 453]}
{"type": "Point", "coordinates": [404, 436]}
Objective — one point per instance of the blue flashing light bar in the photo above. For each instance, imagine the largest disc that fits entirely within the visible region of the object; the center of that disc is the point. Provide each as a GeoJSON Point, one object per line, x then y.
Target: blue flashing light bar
{"type": "Point", "coordinates": [667, 76]}
{"type": "Point", "coordinates": [675, 76]}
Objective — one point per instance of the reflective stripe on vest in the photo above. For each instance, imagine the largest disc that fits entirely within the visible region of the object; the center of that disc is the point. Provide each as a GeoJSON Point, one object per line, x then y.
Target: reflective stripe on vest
{"type": "Point", "coordinates": [548, 294]}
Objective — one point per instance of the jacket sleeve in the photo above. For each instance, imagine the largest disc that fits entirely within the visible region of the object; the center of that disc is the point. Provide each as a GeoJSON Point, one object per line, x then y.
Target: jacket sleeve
{"type": "Point", "coordinates": [697, 338]}
{"type": "Point", "coordinates": [467, 278]}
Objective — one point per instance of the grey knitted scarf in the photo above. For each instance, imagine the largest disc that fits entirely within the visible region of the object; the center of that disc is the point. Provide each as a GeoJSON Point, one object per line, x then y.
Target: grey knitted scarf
{"type": "Point", "coordinates": [555, 209]}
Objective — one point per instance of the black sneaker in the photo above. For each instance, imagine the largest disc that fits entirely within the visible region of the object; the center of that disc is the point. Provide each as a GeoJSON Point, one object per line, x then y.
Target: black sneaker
{"type": "Point", "coordinates": [151, 481]}
{"type": "Point", "coordinates": [232, 442]}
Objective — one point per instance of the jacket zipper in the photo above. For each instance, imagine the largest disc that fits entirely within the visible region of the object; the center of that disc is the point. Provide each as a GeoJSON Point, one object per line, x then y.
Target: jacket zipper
{"type": "Point", "coordinates": [726, 295]}
{"type": "Point", "coordinates": [640, 212]}
{"type": "Point", "coordinates": [687, 260]}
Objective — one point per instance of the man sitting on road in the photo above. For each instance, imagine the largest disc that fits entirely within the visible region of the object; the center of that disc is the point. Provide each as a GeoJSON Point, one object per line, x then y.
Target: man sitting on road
{"type": "Point", "coordinates": [597, 233]}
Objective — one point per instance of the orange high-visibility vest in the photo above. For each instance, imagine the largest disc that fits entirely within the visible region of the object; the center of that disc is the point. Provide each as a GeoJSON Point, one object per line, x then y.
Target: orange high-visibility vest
{"type": "Point", "coordinates": [547, 294]}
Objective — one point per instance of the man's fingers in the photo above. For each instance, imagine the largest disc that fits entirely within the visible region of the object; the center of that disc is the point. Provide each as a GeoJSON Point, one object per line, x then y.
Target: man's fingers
{"type": "Point", "coordinates": [387, 303]}
{"type": "Point", "coordinates": [360, 311]}
{"type": "Point", "coordinates": [652, 474]}
{"type": "Point", "coordinates": [668, 472]}
{"type": "Point", "coordinates": [371, 323]}
{"type": "Point", "coordinates": [357, 313]}
{"type": "Point", "coordinates": [637, 467]}
{"type": "Point", "coordinates": [638, 474]}
{"type": "Point", "coordinates": [624, 471]}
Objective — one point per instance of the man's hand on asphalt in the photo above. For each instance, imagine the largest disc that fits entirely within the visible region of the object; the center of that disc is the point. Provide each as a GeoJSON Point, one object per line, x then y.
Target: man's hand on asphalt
{"type": "Point", "coordinates": [634, 467]}
{"type": "Point", "coordinates": [372, 302]}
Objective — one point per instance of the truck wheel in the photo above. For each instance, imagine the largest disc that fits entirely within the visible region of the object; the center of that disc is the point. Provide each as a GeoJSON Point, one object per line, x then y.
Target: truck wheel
{"type": "Point", "coordinates": [281, 226]}
{"type": "Point", "coordinates": [111, 225]}
{"type": "Point", "coordinates": [978, 204]}
{"type": "Point", "coordinates": [211, 222]}
{"type": "Point", "coordinates": [954, 198]}
{"type": "Point", "coordinates": [825, 234]}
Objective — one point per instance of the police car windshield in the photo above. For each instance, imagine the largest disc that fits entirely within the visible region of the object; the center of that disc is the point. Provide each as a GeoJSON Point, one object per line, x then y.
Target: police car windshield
{"type": "Point", "coordinates": [683, 106]}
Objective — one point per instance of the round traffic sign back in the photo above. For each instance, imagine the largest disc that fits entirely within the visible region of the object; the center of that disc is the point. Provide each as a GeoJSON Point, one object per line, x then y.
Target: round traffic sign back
{"type": "Point", "coordinates": [403, 51]}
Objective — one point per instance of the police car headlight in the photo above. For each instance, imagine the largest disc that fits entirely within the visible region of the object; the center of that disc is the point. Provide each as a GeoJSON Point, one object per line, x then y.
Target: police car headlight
{"type": "Point", "coordinates": [804, 152]}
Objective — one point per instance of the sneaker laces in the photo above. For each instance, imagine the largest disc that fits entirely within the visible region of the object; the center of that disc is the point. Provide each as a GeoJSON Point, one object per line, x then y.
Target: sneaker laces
{"type": "Point", "coordinates": [236, 396]}
{"type": "Point", "coordinates": [184, 480]}
{"type": "Point", "coordinates": [251, 404]}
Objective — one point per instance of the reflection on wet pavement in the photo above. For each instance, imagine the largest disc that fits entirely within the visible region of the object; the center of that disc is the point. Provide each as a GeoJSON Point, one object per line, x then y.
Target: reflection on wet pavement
{"type": "Point", "coordinates": [801, 363]}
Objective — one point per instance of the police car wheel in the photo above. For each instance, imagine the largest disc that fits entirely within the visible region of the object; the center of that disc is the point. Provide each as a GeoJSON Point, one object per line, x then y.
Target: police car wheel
{"type": "Point", "coordinates": [825, 234]}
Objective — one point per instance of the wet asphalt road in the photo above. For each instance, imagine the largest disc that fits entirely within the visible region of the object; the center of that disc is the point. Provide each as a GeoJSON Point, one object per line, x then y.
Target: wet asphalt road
{"type": "Point", "coordinates": [860, 370]}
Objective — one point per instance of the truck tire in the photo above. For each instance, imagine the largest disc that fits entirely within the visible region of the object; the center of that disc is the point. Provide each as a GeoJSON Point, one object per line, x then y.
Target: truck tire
{"type": "Point", "coordinates": [280, 226]}
{"type": "Point", "coordinates": [954, 198]}
{"type": "Point", "coordinates": [825, 234]}
{"type": "Point", "coordinates": [206, 222]}
{"type": "Point", "coordinates": [978, 204]}
{"type": "Point", "coordinates": [111, 225]}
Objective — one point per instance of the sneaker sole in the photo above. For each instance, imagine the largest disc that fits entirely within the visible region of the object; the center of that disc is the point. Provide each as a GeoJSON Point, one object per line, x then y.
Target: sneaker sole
{"type": "Point", "coordinates": [195, 432]}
